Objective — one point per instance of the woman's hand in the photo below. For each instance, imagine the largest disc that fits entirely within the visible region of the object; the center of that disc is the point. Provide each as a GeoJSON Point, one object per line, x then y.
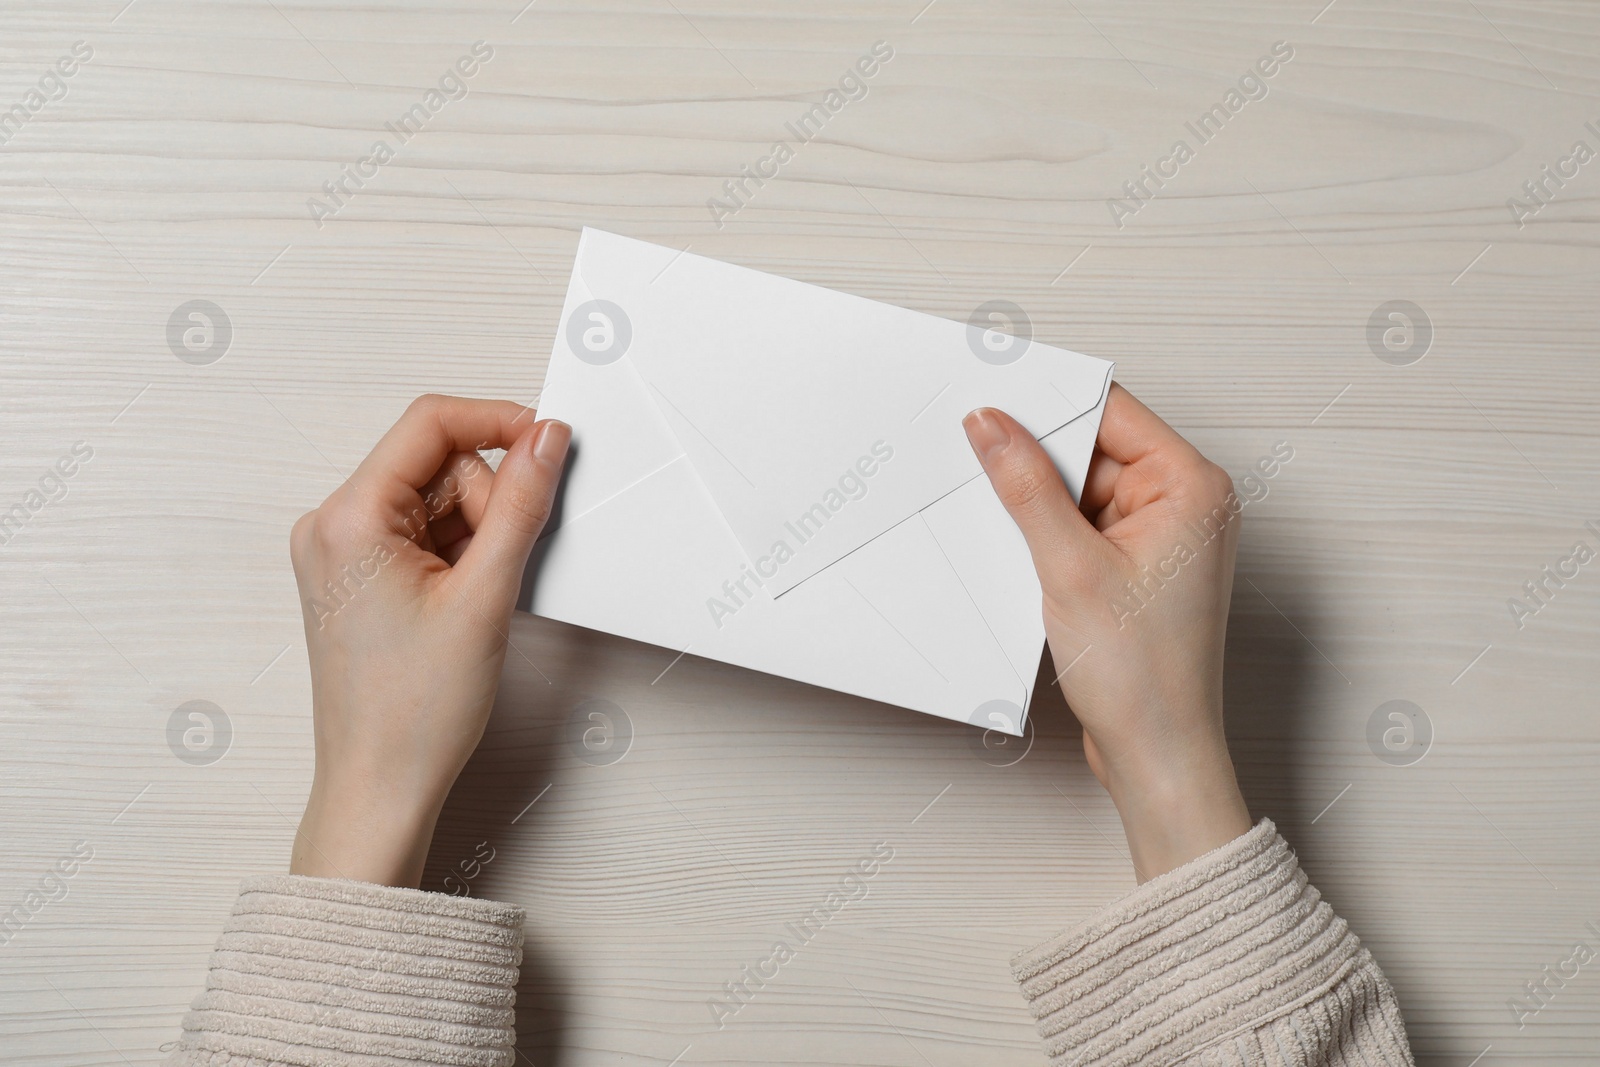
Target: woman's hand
{"type": "Point", "coordinates": [408, 574]}
{"type": "Point", "coordinates": [1136, 589]}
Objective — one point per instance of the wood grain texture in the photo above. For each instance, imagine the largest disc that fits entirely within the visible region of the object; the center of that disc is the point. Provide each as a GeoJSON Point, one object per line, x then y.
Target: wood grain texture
{"type": "Point", "coordinates": [978, 166]}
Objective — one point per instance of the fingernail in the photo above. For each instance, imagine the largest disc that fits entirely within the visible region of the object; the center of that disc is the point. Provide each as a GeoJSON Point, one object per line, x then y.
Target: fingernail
{"type": "Point", "coordinates": [550, 446]}
{"type": "Point", "coordinates": [987, 434]}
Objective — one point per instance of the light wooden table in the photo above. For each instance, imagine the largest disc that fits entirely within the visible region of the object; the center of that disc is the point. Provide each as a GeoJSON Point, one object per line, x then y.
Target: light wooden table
{"type": "Point", "coordinates": [979, 165]}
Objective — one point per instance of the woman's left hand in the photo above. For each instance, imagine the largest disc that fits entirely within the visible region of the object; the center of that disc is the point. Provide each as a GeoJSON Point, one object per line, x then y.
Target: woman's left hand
{"type": "Point", "coordinates": [408, 574]}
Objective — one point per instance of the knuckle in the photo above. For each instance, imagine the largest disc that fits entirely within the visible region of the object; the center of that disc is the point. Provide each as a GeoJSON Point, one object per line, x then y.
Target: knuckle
{"type": "Point", "coordinates": [428, 405]}
{"type": "Point", "coordinates": [1212, 495]}
{"type": "Point", "coordinates": [427, 400]}
{"type": "Point", "coordinates": [1215, 483]}
{"type": "Point", "coordinates": [328, 535]}
{"type": "Point", "coordinates": [1221, 480]}
{"type": "Point", "coordinates": [301, 534]}
{"type": "Point", "coordinates": [1205, 483]}
{"type": "Point", "coordinates": [336, 527]}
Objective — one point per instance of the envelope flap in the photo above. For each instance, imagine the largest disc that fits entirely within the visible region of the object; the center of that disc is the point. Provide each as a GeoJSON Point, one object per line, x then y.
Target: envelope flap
{"type": "Point", "coordinates": [590, 386]}
{"type": "Point", "coordinates": [816, 420]}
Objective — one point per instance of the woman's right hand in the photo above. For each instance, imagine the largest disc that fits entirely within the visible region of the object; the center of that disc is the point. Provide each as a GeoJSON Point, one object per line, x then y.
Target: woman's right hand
{"type": "Point", "coordinates": [1136, 587]}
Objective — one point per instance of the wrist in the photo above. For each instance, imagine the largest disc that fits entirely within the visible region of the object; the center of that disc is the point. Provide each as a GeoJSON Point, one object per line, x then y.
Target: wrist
{"type": "Point", "coordinates": [1173, 816]}
{"type": "Point", "coordinates": [361, 835]}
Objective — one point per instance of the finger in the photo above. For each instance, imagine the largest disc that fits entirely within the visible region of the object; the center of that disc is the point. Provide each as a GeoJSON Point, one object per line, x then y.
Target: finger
{"type": "Point", "coordinates": [1157, 461]}
{"type": "Point", "coordinates": [461, 487]}
{"type": "Point", "coordinates": [1109, 516]}
{"type": "Point", "coordinates": [452, 505]}
{"type": "Point", "coordinates": [1132, 432]}
{"type": "Point", "coordinates": [520, 500]}
{"type": "Point", "coordinates": [1099, 488]}
{"type": "Point", "coordinates": [433, 427]}
{"type": "Point", "coordinates": [450, 535]}
{"type": "Point", "coordinates": [1063, 542]}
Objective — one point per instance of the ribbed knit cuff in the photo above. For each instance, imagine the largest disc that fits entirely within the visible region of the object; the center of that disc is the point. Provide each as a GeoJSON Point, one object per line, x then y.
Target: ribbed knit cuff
{"type": "Point", "coordinates": [1233, 954]}
{"type": "Point", "coordinates": [318, 972]}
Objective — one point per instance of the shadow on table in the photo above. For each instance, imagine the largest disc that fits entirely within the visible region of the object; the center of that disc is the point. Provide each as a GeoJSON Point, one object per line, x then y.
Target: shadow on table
{"type": "Point", "coordinates": [1274, 686]}
{"type": "Point", "coordinates": [1277, 685]}
{"type": "Point", "coordinates": [492, 815]}
{"type": "Point", "coordinates": [1271, 675]}
{"type": "Point", "coordinates": [1270, 679]}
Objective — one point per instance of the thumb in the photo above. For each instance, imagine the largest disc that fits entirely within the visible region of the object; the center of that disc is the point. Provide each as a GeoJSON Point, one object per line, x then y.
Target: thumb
{"type": "Point", "coordinates": [1066, 547]}
{"type": "Point", "coordinates": [520, 500]}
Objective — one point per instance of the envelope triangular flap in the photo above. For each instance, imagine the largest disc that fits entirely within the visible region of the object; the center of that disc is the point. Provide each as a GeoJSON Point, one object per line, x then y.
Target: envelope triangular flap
{"type": "Point", "coordinates": [817, 420]}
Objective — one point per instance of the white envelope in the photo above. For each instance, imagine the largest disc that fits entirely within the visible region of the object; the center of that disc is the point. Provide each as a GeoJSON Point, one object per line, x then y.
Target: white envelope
{"type": "Point", "coordinates": [774, 475]}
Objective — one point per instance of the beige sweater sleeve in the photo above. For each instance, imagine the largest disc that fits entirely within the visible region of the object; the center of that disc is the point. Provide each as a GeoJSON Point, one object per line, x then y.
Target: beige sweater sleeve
{"type": "Point", "coordinates": [1232, 960]}
{"type": "Point", "coordinates": [315, 972]}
